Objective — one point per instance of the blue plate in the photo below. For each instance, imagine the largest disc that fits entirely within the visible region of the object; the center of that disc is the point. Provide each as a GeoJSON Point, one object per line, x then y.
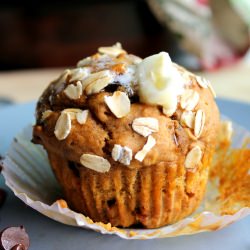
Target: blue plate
{"type": "Point", "coordinates": [46, 234]}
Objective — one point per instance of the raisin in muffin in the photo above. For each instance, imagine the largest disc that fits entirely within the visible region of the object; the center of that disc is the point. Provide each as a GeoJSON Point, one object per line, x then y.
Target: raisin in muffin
{"type": "Point", "coordinates": [129, 140]}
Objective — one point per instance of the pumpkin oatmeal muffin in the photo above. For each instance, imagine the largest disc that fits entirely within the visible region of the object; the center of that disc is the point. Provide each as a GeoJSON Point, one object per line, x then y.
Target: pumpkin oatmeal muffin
{"type": "Point", "coordinates": [129, 140]}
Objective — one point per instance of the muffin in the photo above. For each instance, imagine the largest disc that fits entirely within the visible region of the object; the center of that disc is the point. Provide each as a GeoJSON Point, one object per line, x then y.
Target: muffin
{"type": "Point", "coordinates": [129, 140]}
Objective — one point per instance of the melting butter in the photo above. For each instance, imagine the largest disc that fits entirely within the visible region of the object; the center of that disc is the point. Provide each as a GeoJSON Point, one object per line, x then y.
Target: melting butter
{"type": "Point", "coordinates": [159, 81]}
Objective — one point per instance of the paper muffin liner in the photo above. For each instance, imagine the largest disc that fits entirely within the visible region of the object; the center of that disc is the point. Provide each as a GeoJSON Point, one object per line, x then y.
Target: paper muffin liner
{"type": "Point", "coordinates": [28, 174]}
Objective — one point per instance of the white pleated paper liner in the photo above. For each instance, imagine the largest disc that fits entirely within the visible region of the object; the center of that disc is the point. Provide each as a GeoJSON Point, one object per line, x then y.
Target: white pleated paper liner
{"type": "Point", "coordinates": [27, 173]}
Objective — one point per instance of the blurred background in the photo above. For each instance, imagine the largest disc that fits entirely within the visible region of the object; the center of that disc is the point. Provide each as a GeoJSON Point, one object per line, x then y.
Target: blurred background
{"type": "Point", "coordinates": [59, 33]}
{"type": "Point", "coordinates": [39, 38]}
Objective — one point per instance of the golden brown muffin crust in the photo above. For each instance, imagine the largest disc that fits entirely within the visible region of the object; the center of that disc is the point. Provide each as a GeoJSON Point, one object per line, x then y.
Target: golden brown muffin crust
{"type": "Point", "coordinates": [103, 130]}
{"type": "Point", "coordinates": [156, 191]}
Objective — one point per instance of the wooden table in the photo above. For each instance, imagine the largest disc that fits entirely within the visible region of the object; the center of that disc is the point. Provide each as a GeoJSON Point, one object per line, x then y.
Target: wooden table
{"type": "Point", "coordinates": [22, 86]}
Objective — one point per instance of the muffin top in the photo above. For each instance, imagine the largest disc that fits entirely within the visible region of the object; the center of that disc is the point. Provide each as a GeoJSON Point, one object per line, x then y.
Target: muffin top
{"type": "Point", "coordinates": [116, 109]}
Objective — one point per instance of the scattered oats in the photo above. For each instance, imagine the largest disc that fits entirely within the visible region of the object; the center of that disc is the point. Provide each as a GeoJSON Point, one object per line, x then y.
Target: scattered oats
{"type": "Point", "coordinates": [135, 59]}
{"type": "Point", "coordinates": [187, 119]}
{"type": "Point", "coordinates": [175, 140]}
{"type": "Point", "coordinates": [118, 45]}
{"type": "Point", "coordinates": [114, 50]}
{"type": "Point", "coordinates": [79, 74]}
{"type": "Point", "coordinates": [96, 82]}
{"type": "Point", "coordinates": [122, 154]}
{"type": "Point", "coordinates": [95, 162]}
{"type": "Point", "coordinates": [226, 131]}
{"type": "Point", "coordinates": [193, 158]}
{"type": "Point", "coordinates": [46, 114]}
{"type": "Point", "coordinates": [186, 75]}
{"type": "Point", "coordinates": [190, 134]}
{"type": "Point", "coordinates": [199, 123]}
{"type": "Point", "coordinates": [72, 112]}
{"type": "Point", "coordinates": [203, 82]}
{"type": "Point", "coordinates": [84, 62]}
{"type": "Point", "coordinates": [145, 126]}
{"type": "Point", "coordinates": [58, 84]}
{"type": "Point", "coordinates": [74, 91]}
{"type": "Point", "coordinates": [116, 152]}
{"type": "Point", "coordinates": [82, 116]}
{"type": "Point", "coordinates": [189, 99]}
{"type": "Point", "coordinates": [63, 126]}
{"type": "Point", "coordinates": [168, 112]}
{"type": "Point", "coordinates": [211, 89]}
{"type": "Point", "coordinates": [140, 155]}
{"type": "Point", "coordinates": [172, 106]}
{"type": "Point", "coordinates": [78, 114]}
{"type": "Point", "coordinates": [127, 156]}
{"type": "Point", "coordinates": [118, 103]}
{"type": "Point", "coordinates": [62, 78]}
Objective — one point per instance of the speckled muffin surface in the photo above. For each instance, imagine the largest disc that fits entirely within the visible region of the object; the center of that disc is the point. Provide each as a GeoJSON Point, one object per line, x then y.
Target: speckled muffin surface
{"type": "Point", "coordinates": [129, 140]}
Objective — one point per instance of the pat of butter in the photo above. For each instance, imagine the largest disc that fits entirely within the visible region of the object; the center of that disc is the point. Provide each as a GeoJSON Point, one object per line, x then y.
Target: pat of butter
{"type": "Point", "coordinates": [159, 81]}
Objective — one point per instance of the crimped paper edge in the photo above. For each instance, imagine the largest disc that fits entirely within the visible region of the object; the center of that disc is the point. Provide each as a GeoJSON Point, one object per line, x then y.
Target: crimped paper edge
{"type": "Point", "coordinates": [206, 220]}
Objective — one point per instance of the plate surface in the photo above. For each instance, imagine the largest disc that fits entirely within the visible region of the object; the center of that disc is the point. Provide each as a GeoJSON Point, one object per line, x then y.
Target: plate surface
{"type": "Point", "coordinates": [47, 234]}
